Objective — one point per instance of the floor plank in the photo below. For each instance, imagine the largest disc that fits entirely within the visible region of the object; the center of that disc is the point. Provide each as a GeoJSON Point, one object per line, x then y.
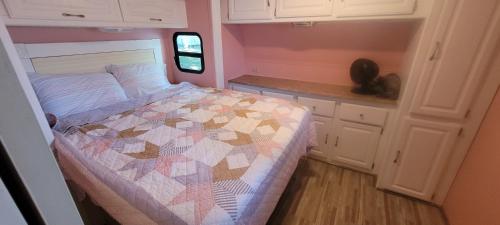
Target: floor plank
{"type": "Point", "coordinates": [323, 194]}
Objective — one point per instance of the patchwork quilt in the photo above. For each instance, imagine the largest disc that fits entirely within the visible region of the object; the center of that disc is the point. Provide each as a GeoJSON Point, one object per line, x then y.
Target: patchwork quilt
{"type": "Point", "coordinates": [193, 155]}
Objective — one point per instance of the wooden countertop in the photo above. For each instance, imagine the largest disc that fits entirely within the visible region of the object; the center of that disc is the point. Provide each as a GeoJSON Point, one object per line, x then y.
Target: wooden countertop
{"type": "Point", "coordinates": [311, 88]}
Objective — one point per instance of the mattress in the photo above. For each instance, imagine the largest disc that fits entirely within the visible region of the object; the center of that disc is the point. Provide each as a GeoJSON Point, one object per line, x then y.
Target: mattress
{"type": "Point", "coordinates": [187, 155]}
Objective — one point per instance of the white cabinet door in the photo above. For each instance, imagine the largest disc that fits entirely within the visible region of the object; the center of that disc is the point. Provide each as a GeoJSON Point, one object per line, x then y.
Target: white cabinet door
{"type": "Point", "coordinates": [421, 154]}
{"type": "Point", "coordinates": [303, 8]}
{"type": "Point", "coordinates": [324, 136]}
{"type": "Point", "coordinates": [356, 144]}
{"type": "Point", "coordinates": [82, 10]}
{"type": "Point", "coordinates": [454, 68]}
{"type": "Point", "coordinates": [351, 8]}
{"type": "Point", "coordinates": [154, 11]}
{"type": "Point", "coordinates": [251, 9]}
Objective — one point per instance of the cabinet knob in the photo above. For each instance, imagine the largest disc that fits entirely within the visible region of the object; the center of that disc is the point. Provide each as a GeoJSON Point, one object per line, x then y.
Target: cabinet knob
{"type": "Point", "coordinates": [396, 160]}
{"type": "Point", "coordinates": [362, 116]}
{"type": "Point", "coordinates": [156, 19]}
{"type": "Point", "coordinates": [314, 108]}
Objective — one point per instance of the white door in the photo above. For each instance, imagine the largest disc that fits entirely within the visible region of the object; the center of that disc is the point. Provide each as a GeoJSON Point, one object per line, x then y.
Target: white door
{"type": "Point", "coordinates": [356, 144]}
{"type": "Point", "coordinates": [421, 154]}
{"type": "Point", "coordinates": [352, 8]}
{"type": "Point", "coordinates": [83, 10]}
{"type": "Point", "coordinates": [454, 68]}
{"type": "Point", "coordinates": [324, 136]}
{"type": "Point", "coordinates": [303, 8]}
{"type": "Point", "coordinates": [154, 11]}
{"type": "Point", "coordinates": [251, 10]}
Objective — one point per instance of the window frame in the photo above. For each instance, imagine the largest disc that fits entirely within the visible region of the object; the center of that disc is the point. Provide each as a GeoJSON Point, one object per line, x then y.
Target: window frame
{"type": "Point", "coordinates": [178, 54]}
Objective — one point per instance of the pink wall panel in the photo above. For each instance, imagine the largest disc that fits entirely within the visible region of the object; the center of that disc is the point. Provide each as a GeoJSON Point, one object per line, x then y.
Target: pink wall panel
{"type": "Point", "coordinates": [474, 198]}
{"type": "Point", "coordinates": [322, 53]}
{"type": "Point", "coordinates": [58, 34]}
{"type": "Point", "coordinates": [199, 20]}
{"type": "Point", "coordinates": [233, 51]}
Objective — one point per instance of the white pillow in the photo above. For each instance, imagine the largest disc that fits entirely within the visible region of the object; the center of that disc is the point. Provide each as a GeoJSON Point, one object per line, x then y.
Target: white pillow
{"type": "Point", "coordinates": [68, 94]}
{"type": "Point", "coordinates": [140, 79]}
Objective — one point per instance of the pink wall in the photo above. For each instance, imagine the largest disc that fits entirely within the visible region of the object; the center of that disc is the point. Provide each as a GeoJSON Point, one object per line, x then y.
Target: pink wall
{"type": "Point", "coordinates": [199, 20]}
{"type": "Point", "coordinates": [474, 198]}
{"type": "Point", "coordinates": [233, 52]}
{"type": "Point", "coordinates": [322, 53]}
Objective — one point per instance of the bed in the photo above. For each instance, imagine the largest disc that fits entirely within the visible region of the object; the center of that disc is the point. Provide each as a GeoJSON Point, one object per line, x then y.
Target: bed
{"type": "Point", "coordinates": [185, 155]}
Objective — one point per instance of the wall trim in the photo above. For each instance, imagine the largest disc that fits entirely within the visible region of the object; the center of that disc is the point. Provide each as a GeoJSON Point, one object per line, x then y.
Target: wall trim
{"type": "Point", "coordinates": [217, 38]}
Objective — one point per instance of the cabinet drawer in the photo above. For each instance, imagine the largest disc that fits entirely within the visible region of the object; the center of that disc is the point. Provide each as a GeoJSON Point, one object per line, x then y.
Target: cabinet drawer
{"type": "Point", "coordinates": [245, 89]}
{"type": "Point", "coordinates": [363, 114]}
{"type": "Point", "coordinates": [82, 10]}
{"type": "Point", "coordinates": [154, 11]}
{"type": "Point", "coordinates": [279, 95]}
{"type": "Point", "coordinates": [318, 106]}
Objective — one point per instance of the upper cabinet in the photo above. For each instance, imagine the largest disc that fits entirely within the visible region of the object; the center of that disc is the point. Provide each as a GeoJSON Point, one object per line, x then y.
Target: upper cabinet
{"type": "Point", "coordinates": [298, 8]}
{"type": "Point", "coordinates": [267, 11]}
{"type": "Point", "coordinates": [87, 10]}
{"type": "Point", "coordinates": [453, 69]}
{"type": "Point", "coordinates": [251, 10]}
{"type": "Point", "coordinates": [95, 13]}
{"type": "Point", "coordinates": [348, 8]}
{"type": "Point", "coordinates": [153, 11]}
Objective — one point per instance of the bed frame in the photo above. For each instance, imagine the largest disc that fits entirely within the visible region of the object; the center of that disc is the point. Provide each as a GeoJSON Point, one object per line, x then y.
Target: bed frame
{"type": "Point", "coordinates": [87, 57]}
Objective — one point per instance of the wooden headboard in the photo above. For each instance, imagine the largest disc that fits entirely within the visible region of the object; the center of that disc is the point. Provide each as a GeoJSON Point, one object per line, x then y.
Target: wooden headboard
{"type": "Point", "coordinates": [87, 57]}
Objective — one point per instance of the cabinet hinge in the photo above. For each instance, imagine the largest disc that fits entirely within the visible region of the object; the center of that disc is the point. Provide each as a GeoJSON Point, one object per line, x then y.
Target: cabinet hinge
{"type": "Point", "coordinates": [275, 13]}
{"type": "Point", "coordinates": [460, 132]}
{"type": "Point", "coordinates": [373, 166]}
{"type": "Point", "coordinates": [467, 114]}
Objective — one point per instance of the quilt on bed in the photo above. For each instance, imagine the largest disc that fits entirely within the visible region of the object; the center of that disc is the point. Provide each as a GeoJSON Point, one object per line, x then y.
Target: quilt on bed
{"type": "Point", "coordinates": [190, 155]}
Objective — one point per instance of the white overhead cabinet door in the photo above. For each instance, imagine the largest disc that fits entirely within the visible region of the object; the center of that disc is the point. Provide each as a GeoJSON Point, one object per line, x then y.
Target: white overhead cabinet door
{"type": "Point", "coordinates": [251, 9]}
{"type": "Point", "coordinates": [303, 8]}
{"type": "Point", "coordinates": [154, 11]}
{"type": "Point", "coordinates": [454, 67]}
{"type": "Point", "coordinates": [356, 144]}
{"type": "Point", "coordinates": [353, 8]}
{"type": "Point", "coordinates": [81, 10]}
{"type": "Point", "coordinates": [421, 155]}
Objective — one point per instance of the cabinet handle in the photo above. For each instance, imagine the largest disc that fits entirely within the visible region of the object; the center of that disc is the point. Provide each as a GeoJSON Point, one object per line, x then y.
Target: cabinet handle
{"type": "Point", "coordinates": [73, 15]}
{"type": "Point", "coordinates": [326, 139]}
{"type": "Point", "coordinates": [314, 108]}
{"type": "Point", "coordinates": [337, 142]}
{"type": "Point", "coordinates": [362, 116]}
{"type": "Point", "coordinates": [156, 19]}
{"type": "Point", "coordinates": [437, 49]}
{"type": "Point", "coordinates": [268, 3]}
{"type": "Point", "coordinates": [396, 160]}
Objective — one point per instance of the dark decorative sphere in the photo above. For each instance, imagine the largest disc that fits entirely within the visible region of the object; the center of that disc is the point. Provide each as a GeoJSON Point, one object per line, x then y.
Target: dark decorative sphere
{"type": "Point", "coordinates": [364, 71]}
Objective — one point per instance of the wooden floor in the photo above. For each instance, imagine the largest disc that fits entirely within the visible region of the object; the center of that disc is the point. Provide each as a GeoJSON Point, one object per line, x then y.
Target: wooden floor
{"type": "Point", "coordinates": [320, 193]}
